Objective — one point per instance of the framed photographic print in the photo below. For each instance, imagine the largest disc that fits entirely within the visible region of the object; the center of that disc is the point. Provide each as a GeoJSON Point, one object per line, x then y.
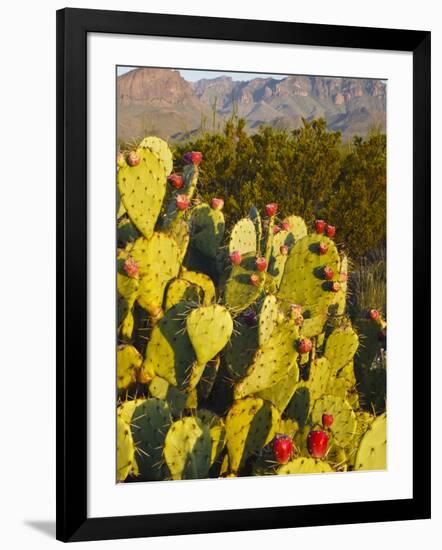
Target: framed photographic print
{"type": "Point", "coordinates": [243, 210]}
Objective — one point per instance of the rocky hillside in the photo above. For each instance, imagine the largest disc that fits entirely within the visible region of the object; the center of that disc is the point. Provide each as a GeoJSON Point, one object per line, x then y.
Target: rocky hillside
{"type": "Point", "coordinates": [161, 102]}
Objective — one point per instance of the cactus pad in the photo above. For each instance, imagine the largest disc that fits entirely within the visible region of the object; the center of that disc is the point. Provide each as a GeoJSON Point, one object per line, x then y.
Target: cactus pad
{"type": "Point", "coordinates": [239, 293]}
{"type": "Point", "coordinates": [129, 362]}
{"type": "Point", "coordinates": [158, 262]}
{"type": "Point", "coordinates": [341, 346]}
{"type": "Point", "coordinates": [180, 290]}
{"type": "Point", "coordinates": [302, 282]}
{"type": "Point", "coordinates": [217, 432]}
{"type": "Point", "coordinates": [240, 351]}
{"type": "Point", "coordinates": [142, 190]}
{"type": "Point", "coordinates": [272, 361]}
{"type": "Point", "coordinates": [169, 352]}
{"type": "Point", "coordinates": [281, 393]}
{"type": "Point", "coordinates": [188, 449]}
{"type": "Point", "coordinates": [243, 237]}
{"type": "Point", "coordinates": [207, 229]}
{"type": "Point", "coordinates": [161, 150]}
{"type": "Point", "coordinates": [161, 389]}
{"type": "Point", "coordinates": [304, 465]}
{"type": "Point", "coordinates": [372, 452]}
{"type": "Point", "coordinates": [203, 281]}
{"type": "Point", "coordinates": [267, 318]}
{"type": "Point", "coordinates": [251, 423]}
{"type": "Point", "coordinates": [150, 423]}
{"type": "Point", "coordinates": [209, 329]}
{"type": "Point", "coordinates": [344, 419]}
{"type": "Point", "coordinates": [125, 450]}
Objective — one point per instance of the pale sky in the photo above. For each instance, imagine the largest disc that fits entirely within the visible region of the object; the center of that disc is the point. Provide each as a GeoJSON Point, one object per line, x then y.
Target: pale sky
{"type": "Point", "coordinates": [193, 76]}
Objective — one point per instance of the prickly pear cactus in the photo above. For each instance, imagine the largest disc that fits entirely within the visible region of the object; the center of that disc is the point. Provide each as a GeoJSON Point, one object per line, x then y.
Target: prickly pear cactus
{"type": "Point", "coordinates": [142, 189]}
{"type": "Point", "coordinates": [233, 334]}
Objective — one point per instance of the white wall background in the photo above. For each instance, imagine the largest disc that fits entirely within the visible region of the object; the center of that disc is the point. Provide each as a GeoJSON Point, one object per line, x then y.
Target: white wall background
{"type": "Point", "coordinates": [27, 319]}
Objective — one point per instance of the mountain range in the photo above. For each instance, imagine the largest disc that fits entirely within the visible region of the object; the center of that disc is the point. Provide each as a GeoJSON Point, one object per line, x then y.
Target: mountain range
{"type": "Point", "coordinates": [161, 102]}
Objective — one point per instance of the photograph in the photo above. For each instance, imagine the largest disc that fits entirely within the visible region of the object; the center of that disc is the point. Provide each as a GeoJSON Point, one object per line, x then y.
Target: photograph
{"type": "Point", "coordinates": [250, 274]}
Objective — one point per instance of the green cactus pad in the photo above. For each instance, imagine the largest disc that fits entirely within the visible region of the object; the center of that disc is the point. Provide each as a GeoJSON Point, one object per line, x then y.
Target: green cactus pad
{"type": "Point", "coordinates": [150, 422]}
{"type": "Point", "coordinates": [289, 427]}
{"type": "Point", "coordinates": [272, 361]}
{"type": "Point", "coordinates": [255, 216]}
{"type": "Point", "coordinates": [203, 281]}
{"type": "Point", "coordinates": [126, 409]}
{"type": "Point", "coordinates": [277, 260]}
{"type": "Point", "coordinates": [341, 346]}
{"type": "Point", "coordinates": [142, 190]}
{"type": "Point", "coordinates": [169, 352]}
{"type": "Point", "coordinates": [240, 351]}
{"type": "Point", "coordinates": [161, 150]}
{"type": "Point", "coordinates": [302, 282]}
{"type": "Point", "coordinates": [297, 227]}
{"type": "Point", "coordinates": [125, 450]}
{"type": "Point", "coordinates": [372, 452]}
{"type": "Point", "coordinates": [217, 432]}
{"type": "Point", "coordinates": [251, 423]}
{"type": "Point", "coordinates": [161, 389]}
{"type": "Point", "coordinates": [299, 405]}
{"type": "Point", "coordinates": [127, 294]}
{"type": "Point", "coordinates": [209, 329]}
{"type": "Point", "coordinates": [313, 326]}
{"type": "Point", "coordinates": [341, 295]}
{"type": "Point", "coordinates": [304, 465]}
{"type": "Point", "coordinates": [129, 362]}
{"type": "Point", "coordinates": [281, 393]}
{"type": "Point", "coordinates": [207, 229]}
{"type": "Point", "coordinates": [207, 380]}
{"type": "Point", "coordinates": [318, 379]}
{"type": "Point", "coordinates": [243, 237]}
{"type": "Point", "coordinates": [158, 260]}
{"type": "Point", "coordinates": [267, 318]}
{"type": "Point", "coordinates": [188, 449]}
{"type": "Point", "coordinates": [239, 293]}
{"type": "Point", "coordinates": [126, 232]}
{"type": "Point", "coordinates": [344, 419]}
{"type": "Point", "coordinates": [180, 232]}
{"type": "Point", "coordinates": [180, 290]}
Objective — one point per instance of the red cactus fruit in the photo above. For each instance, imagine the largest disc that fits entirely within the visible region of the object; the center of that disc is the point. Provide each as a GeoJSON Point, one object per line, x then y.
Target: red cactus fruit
{"type": "Point", "coordinates": [295, 310]}
{"type": "Point", "coordinates": [182, 202]}
{"type": "Point", "coordinates": [286, 225]}
{"type": "Point", "coordinates": [261, 263]}
{"type": "Point", "coordinates": [328, 273]}
{"type": "Point", "coordinates": [320, 226]}
{"type": "Point", "coordinates": [133, 159]}
{"type": "Point", "coordinates": [276, 229]}
{"type": "Point", "coordinates": [193, 157]}
{"type": "Point", "coordinates": [317, 442]}
{"type": "Point", "coordinates": [305, 345]}
{"type": "Point", "coordinates": [323, 248]}
{"type": "Point", "coordinates": [131, 267]}
{"type": "Point", "coordinates": [254, 279]}
{"type": "Point", "coordinates": [374, 314]}
{"type": "Point", "coordinates": [271, 209]}
{"type": "Point", "coordinates": [282, 448]}
{"type": "Point", "coordinates": [335, 286]}
{"type": "Point", "coordinates": [327, 420]}
{"type": "Point", "coordinates": [217, 204]}
{"type": "Point", "coordinates": [235, 257]}
{"type": "Point", "coordinates": [176, 180]}
{"type": "Point", "coordinates": [284, 249]}
{"type": "Point", "coordinates": [330, 231]}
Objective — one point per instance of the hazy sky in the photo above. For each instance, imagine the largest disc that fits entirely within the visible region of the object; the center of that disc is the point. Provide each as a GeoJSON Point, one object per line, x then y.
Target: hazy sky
{"type": "Point", "coordinates": [198, 75]}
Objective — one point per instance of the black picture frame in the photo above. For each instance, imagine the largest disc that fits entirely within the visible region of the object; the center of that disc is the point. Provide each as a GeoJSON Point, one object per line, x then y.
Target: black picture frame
{"type": "Point", "coordinates": [73, 25]}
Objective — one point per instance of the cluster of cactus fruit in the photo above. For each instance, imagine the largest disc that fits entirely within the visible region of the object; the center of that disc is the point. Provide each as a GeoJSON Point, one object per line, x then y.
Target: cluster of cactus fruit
{"type": "Point", "coordinates": [235, 354]}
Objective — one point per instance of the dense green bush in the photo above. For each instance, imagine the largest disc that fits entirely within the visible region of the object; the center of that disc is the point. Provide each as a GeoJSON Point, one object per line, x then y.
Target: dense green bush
{"type": "Point", "coordinates": [309, 171]}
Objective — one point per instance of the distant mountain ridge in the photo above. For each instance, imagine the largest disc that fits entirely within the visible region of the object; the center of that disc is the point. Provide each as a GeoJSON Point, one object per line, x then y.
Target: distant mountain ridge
{"type": "Point", "coordinates": [162, 102]}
